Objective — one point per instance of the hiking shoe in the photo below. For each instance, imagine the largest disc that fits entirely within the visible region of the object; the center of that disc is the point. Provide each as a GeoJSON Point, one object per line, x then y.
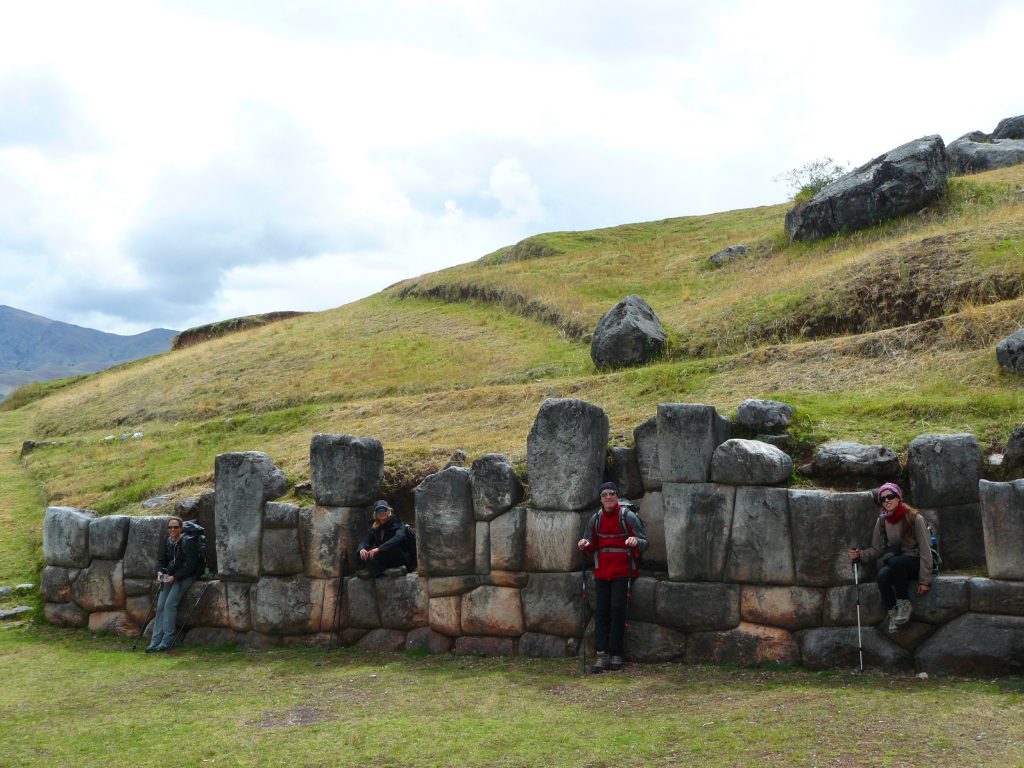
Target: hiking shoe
{"type": "Point", "coordinates": [600, 663]}
{"type": "Point", "coordinates": [394, 573]}
{"type": "Point", "coordinates": [903, 611]}
{"type": "Point", "coordinates": [151, 648]}
{"type": "Point", "coordinates": [615, 663]}
{"type": "Point", "coordinates": [892, 620]}
{"type": "Point", "coordinates": [363, 573]}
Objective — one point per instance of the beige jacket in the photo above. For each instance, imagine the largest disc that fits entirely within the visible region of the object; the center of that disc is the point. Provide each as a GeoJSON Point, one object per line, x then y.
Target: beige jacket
{"type": "Point", "coordinates": [911, 533]}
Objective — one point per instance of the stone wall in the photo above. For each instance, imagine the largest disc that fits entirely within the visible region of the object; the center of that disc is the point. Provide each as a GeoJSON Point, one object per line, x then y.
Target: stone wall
{"type": "Point", "coordinates": [741, 569]}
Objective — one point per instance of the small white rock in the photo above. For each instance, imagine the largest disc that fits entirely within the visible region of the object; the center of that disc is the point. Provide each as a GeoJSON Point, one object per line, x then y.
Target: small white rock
{"type": "Point", "coordinates": [922, 675]}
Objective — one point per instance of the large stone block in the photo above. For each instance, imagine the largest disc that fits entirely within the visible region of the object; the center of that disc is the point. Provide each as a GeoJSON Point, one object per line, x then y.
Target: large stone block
{"type": "Point", "coordinates": [624, 470]}
{"type": "Point", "coordinates": [627, 334]}
{"type": "Point", "coordinates": [280, 552]}
{"type": "Point", "coordinates": [832, 647]}
{"type": "Point", "coordinates": [698, 518]}
{"type": "Point", "coordinates": [565, 453]}
{"type": "Point", "coordinates": [990, 596]}
{"type": "Point", "coordinates": [385, 640]}
{"type": "Point", "coordinates": [359, 604]}
{"type": "Point", "coordinates": [484, 646]}
{"type": "Point", "coordinates": [508, 540]}
{"type": "Point", "coordinates": [446, 615]}
{"type": "Point", "coordinates": [761, 545]}
{"type": "Point", "coordinates": [541, 646]}
{"type": "Point", "coordinates": [278, 514]}
{"type": "Point", "coordinates": [146, 538]}
{"type": "Point", "coordinates": [441, 586]}
{"type": "Point", "coordinates": [944, 470]}
{"type": "Point", "coordinates": [287, 606]}
{"type": "Point", "coordinates": [787, 607]}
{"type": "Point", "coordinates": [328, 535]}
{"type": "Point", "coordinates": [402, 602]}
{"type": "Point", "coordinates": [205, 605]}
{"type": "Point", "coordinates": [445, 524]}
{"type": "Point", "coordinates": [113, 623]}
{"type": "Point", "coordinates": [948, 598]}
{"type": "Point", "coordinates": [651, 644]}
{"type": "Point", "coordinates": [345, 470]}
{"type": "Point", "coordinates": [244, 482]}
{"type": "Point", "coordinates": [495, 486]}
{"type": "Point", "coordinates": [483, 547]}
{"type": "Point", "coordinates": [55, 584]}
{"type": "Point", "coordinates": [841, 606]}
{"type": "Point", "coordinates": [236, 596]}
{"type": "Point", "coordinates": [493, 611]}
{"type": "Point", "coordinates": [65, 615]}
{"type": "Point", "coordinates": [652, 510]}
{"type": "Point", "coordinates": [688, 434]}
{"type": "Point", "coordinates": [645, 442]}
{"type": "Point", "coordinates": [697, 607]}
{"type": "Point", "coordinates": [140, 609]}
{"type": "Point", "coordinates": [1002, 518]}
{"type": "Point", "coordinates": [107, 536]}
{"type": "Point", "coordinates": [551, 539]}
{"type": "Point", "coordinates": [961, 535]}
{"type": "Point", "coordinates": [825, 527]}
{"type": "Point", "coordinates": [853, 463]}
{"type": "Point", "coordinates": [764, 416]}
{"type": "Point", "coordinates": [748, 644]}
{"type": "Point", "coordinates": [553, 604]}
{"type": "Point", "coordinates": [426, 639]}
{"type": "Point", "coordinates": [100, 587]}
{"type": "Point", "coordinates": [750, 462]}
{"type": "Point", "coordinates": [976, 644]}
{"type": "Point", "coordinates": [642, 598]}
{"type": "Point", "coordinates": [66, 536]}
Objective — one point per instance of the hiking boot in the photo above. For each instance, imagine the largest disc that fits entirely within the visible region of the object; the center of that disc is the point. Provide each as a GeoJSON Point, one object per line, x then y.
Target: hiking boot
{"type": "Point", "coordinates": [892, 620]}
{"type": "Point", "coordinates": [364, 573]}
{"type": "Point", "coordinates": [394, 573]}
{"type": "Point", "coordinates": [600, 663]}
{"type": "Point", "coordinates": [615, 663]}
{"type": "Point", "coordinates": [903, 611]}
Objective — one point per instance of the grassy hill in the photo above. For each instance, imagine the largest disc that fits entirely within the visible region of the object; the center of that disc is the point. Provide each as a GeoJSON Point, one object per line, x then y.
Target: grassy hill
{"type": "Point", "coordinates": [877, 336]}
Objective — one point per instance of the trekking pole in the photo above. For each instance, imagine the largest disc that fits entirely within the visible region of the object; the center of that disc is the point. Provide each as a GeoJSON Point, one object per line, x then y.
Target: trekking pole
{"type": "Point", "coordinates": [149, 618]}
{"type": "Point", "coordinates": [181, 629]}
{"type": "Point", "coordinates": [583, 630]}
{"type": "Point", "coordinates": [627, 625]}
{"type": "Point", "coordinates": [860, 644]}
{"type": "Point", "coordinates": [335, 640]}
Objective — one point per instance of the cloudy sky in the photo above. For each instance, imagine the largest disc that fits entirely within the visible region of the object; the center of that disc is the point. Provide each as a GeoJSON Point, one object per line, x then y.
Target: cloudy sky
{"type": "Point", "coordinates": [173, 163]}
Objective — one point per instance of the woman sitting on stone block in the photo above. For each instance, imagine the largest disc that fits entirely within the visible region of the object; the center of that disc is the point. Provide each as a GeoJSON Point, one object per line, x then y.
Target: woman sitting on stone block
{"type": "Point", "coordinates": [901, 543]}
{"type": "Point", "coordinates": [384, 545]}
{"type": "Point", "coordinates": [616, 537]}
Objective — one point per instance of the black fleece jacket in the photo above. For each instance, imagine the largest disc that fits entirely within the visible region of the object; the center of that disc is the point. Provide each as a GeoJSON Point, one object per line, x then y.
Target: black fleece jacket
{"type": "Point", "coordinates": [180, 560]}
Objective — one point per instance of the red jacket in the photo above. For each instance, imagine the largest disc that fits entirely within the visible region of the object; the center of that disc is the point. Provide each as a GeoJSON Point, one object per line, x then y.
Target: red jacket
{"type": "Point", "coordinates": [612, 558]}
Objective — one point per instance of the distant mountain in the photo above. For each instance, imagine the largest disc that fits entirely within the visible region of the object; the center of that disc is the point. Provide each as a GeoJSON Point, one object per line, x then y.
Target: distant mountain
{"type": "Point", "coordinates": [34, 348]}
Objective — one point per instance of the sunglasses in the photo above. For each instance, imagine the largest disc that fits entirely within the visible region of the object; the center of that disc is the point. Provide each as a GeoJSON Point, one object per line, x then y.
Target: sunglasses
{"type": "Point", "coordinates": [888, 497]}
{"type": "Point", "coordinates": [172, 527]}
{"type": "Point", "coordinates": [608, 494]}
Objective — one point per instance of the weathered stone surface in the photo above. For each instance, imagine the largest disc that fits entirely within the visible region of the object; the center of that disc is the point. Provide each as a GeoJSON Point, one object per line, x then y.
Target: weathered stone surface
{"type": "Point", "coordinates": [650, 643]}
{"type": "Point", "coordinates": [688, 434]}
{"type": "Point", "coordinates": [483, 547]}
{"type": "Point", "coordinates": [495, 611]}
{"type": "Point", "coordinates": [100, 587]}
{"type": "Point", "coordinates": [642, 599]}
{"type": "Point", "coordinates": [627, 334]}
{"type": "Point", "coordinates": [961, 536]}
{"type": "Point", "coordinates": [623, 470]}
{"type": "Point", "coordinates": [134, 587]}
{"type": "Point", "coordinates": [278, 514]}
{"type": "Point", "coordinates": [749, 644]}
{"type": "Point", "coordinates": [966, 156]}
{"type": "Point", "coordinates": [1013, 453]}
{"type": "Point", "coordinates": [281, 556]}
{"type": "Point", "coordinates": [975, 644]}
{"type": "Point", "coordinates": [787, 607]}
{"type": "Point", "coordinates": [65, 615]}
{"type": "Point", "coordinates": [841, 605]}
{"type": "Point", "coordinates": [760, 547]}
{"type": "Point", "coordinates": [113, 623]}
{"type": "Point", "coordinates": [205, 605]}
{"type": "Point", "coordinates": [446, 615]}
{"type": "Point", "coordinates": [1009, 128]}
{"type": "Point", "coordinates": [1002, 517]}
{"type": "Point", "coordinates": [66, 536]}
{"type": "Point", "coordinates": [947, 599]}
{"type": "Point", "coordinates": [750, 462]}
{"type": "Point", "coordinates": [565, 453]}
{"type": "Point", "coordinates": [440, 586]}
{"type": "Point", "coordinates": [146, 537]}
{"type": "Point", "coordinates": [386, 640]}
{"type": "Point", "coordinates": [402, 602]}
{"type": "Point", "coordinates": [645, 442]}
{"type": "Point", "coordinates": [544, 646]}
{"type": "Point", "coordinates": [944, 470]}
{"type": "Point", "coordinates": [652, 510]}
{"type": "Point", "coordinates": [210, 636]}
{"type": "Point", "coordinates": [770, 416]}
{"type": "Point", "coordinates": [242, 482]}
{"type": "Point", "coordinates": [1010, 352]}
{"type": "Point", "coordinates": [553, 604]}
{"type": "Point", "coordinates": [826, 526]}
{"type": "Point", "coordinates": [426, 639]}
{"type": "Point", "coordinates": [911, 635]}
{"type": "Point", "coordinates": [515, 579]}
{"type": "Point", "coordinates": [848, 463]}
{"type": "Point", "coordinates": [329, 534]}
{"type": "Point", "coordinates": [698, 518]}
{"type": "Point", "coordinates": [508, 540]}
{"type": "Point", "coordinates": [107, 536]}
{"type": "Point", "coordinates": [287, 606]}
{"type": "Point", "coordinates": [901, 181]}
{"type": "Point", "coordinates": [237, 600]}
{"type": "Point", "coordinates": [728, 254]}
{"type": "Point", "coordinates": [832, 647]}
{"type": "Point", "coordinates": [359, 606]}
{"type": "Point", "coordinates": [495, 486]}
{"type": "Point", "coordinates": [551, 539]}
{"type": "Point", "coordinates": [139, 608]}
{"type": "Point", "coordinates": [55, 584]}
{"type": "Point", "coordinates": [331, 611]}
{"type": "Point", "coordinates": [484, 646]}
{"type": "Point", "coordinates": [445, 525]}
{"type": "Point", "coordinates": [345, 470]}
{"type": "Point", "coordinates": [991, 596]}
{"type": "Point", "coordinates": [697, 607]}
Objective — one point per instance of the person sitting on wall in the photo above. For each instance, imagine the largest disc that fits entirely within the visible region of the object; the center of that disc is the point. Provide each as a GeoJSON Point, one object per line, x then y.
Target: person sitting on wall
{"type": "Point", "coordinates": [616, 537]}
{"type": "Point", "coordinates": [901, 543]}
{"type": "Point", "coordinates": [384, 545]}
{"type": "Point", "coordinates": [179, 567]}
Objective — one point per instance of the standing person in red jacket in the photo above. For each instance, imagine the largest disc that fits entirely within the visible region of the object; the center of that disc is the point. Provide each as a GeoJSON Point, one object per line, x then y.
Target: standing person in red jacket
{"type": "Point", "coordinates": [616, 537]}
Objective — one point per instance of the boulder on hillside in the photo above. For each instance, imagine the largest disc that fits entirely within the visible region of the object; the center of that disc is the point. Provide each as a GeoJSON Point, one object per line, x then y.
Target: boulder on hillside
{"type": "Point", "coordinates": [967, 156]}
{"type": "Point", "coordinates": [1010, 352]}
{"type": "Point", "coordinates": [628, 334]}
{"type": "Point", "coordinates": [768, 416]}
{"type": "Point", "coordinates": [847, 462]}
{"type": "Point", "coordinates": [1010, 128]}
{"type": "Point", "coordinates": [726, 255]}
{"type": "Point", "coordinates": [901, 181]}
{"type": "Point", "coordinates": [1013, 453]}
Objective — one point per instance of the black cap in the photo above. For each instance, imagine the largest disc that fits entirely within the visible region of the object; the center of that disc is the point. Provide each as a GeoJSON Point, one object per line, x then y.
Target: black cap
{"type": "Point", "coordinates": [379, 505]}
{"type": "Point", "coordinates": [609, 486]}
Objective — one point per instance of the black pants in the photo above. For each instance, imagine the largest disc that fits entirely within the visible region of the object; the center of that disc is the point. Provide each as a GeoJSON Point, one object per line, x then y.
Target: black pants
{"type": "Point", "coordinates": [610, 617]}
{"type": "Point", "coordinates": [391, 558]}
{"type": "Point", "coordinates": [894, 579]}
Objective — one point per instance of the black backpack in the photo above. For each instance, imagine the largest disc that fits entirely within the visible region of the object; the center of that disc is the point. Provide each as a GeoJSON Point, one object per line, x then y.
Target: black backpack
{"type": "Point", "coordinates": [409, 546]}
{"type": "Point", "coordinates": [197, 533]}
